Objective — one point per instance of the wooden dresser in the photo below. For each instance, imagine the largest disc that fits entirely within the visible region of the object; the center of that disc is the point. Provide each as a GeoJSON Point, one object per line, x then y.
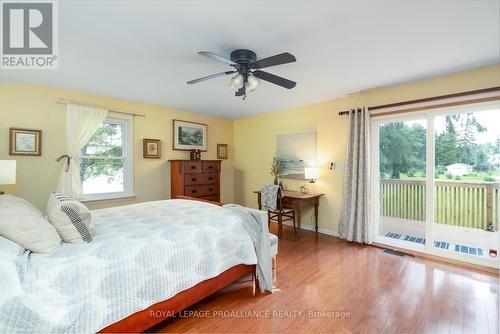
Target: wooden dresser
{"type": "Point", "coordinates": [195, 178]}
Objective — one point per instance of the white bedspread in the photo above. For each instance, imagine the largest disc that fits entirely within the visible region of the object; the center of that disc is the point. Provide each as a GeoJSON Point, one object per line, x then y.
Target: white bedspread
{"type": "Point", "coordinates": [142, 254]}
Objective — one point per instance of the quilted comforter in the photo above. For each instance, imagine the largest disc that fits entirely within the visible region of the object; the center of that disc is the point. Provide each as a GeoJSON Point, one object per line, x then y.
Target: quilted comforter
{"type": "Point", "coordinates": [142, 254]}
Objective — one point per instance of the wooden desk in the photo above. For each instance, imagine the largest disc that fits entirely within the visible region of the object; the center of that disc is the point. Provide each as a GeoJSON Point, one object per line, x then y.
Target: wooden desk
{"type": "Point", "coordinates": [298, 201]}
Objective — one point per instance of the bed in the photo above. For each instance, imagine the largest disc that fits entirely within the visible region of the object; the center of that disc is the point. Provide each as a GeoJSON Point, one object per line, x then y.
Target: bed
{"type": "Point", "coordinates": [153, 256]}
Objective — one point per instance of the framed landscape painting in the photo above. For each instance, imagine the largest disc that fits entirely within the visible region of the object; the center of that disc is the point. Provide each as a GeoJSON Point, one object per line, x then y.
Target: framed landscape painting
{"type": "Point", "coordinates": [295, 152]}
{"type": "Point", "coordinates": [151, 148]}
{"type": "Point", "coordinates": [25, 142]}
{"type": "Point", "coordinates": [189, 136]}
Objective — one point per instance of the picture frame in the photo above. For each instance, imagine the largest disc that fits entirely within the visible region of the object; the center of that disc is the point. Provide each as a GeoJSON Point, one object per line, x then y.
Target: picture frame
{"type": "Point", "coordinates": [151, 148]}
{"type": "Point", "coordinates": [189, 136]}
{"type": "Point", "coordinates": [222, 151]}
{"type": "Point", "coordinates": [25, 142]}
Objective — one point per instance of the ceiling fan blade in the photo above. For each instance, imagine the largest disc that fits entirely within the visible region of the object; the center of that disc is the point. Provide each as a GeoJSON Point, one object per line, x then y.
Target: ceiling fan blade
{"type": "Point", "coordinates": [282, 58]}
{"type": "Point", "coordinates": [241, 91]}
{"type": "Point", "coordinates": [208, 77]}
{"type": "Point", "coordinates": [275, 79]}
{"type": "Point", "coordinates": [213, 56]}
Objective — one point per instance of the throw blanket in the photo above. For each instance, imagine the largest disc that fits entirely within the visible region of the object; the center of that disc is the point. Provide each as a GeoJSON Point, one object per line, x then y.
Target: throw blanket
{"type": "Point", "coordinates": [269, 196]}
{"type": "Point", "coordinates": [259, 233]}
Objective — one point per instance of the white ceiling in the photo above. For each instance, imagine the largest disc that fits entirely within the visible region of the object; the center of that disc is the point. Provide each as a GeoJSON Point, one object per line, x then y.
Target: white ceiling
{"type": "Point", "coordinates": [147, 50]}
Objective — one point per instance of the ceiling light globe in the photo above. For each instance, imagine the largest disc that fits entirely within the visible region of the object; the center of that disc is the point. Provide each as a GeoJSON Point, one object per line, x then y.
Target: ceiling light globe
{"type": "Point", "coordinates": [252, 83]}
{"type": "Point", "coordinates": [237, 81]}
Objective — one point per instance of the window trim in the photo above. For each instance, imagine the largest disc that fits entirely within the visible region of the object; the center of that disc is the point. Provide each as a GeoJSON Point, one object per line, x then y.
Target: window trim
{"type": "Point", "coordinates": [127, 121]}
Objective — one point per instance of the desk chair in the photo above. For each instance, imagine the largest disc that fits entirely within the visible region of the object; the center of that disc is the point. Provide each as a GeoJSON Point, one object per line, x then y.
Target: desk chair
{"type": "Point", "coordinates": [280, 215]}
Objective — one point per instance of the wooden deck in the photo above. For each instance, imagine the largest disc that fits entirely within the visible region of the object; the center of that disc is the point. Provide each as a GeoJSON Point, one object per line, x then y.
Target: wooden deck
{"type": "Point", "coordinates": [383, 293]}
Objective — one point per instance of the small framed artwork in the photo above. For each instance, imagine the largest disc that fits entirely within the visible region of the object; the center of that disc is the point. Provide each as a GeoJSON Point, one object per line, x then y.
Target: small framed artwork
{"type": "Point", "coordinates": [25, 142]}
{"type": "Point", "coordinates": [189, 136]}
{"type": "Point", "coordinates": [151, 148]}
{"type": "Point", "coordinates": [222, 151]}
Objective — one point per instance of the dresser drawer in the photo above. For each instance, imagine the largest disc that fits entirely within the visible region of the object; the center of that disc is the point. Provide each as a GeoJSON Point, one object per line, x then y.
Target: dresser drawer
{"type": "Point", "coordinates": [202, 190]}
{"type": "Point", "coordinates": [211, 166]}
{"type": "Point", "coordinates": [213, 198]}
{"type": "Point", "coordinates": [192, 167]}
{"type": "Point", "coordinates": [194, 179]}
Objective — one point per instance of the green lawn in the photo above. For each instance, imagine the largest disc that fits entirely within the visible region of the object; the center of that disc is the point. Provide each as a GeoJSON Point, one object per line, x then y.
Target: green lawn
{"type": "Point", "coordinates": [476, 177]}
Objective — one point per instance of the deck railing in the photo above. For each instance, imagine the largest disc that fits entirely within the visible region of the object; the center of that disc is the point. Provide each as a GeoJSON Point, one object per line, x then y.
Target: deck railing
{"type": "Point", "coordinates": [472, 205]}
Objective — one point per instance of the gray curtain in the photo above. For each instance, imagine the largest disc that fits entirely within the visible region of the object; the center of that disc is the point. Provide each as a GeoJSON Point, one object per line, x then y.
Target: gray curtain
{"type": "Point", "coordinates": [354, 224]}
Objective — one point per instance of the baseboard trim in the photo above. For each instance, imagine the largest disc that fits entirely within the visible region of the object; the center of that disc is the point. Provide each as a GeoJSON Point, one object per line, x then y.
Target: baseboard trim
{"type": "Point", "coordinates": [311, 228]}
{"type": "Point", "coordinates": [435, 258]}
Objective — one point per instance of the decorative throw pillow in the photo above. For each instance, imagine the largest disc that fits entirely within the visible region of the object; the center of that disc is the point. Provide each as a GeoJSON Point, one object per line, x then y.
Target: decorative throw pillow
{"type": "Point", "coordinates": [71, 219]}
{"type": "Point", "coordinates": [25, 225]}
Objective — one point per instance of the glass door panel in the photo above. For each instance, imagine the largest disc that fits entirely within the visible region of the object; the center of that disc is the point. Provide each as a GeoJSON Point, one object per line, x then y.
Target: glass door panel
{"type": "Point", "coordinates": [402, 183]}
{"type": "Point", "coordinates": [467, 176]}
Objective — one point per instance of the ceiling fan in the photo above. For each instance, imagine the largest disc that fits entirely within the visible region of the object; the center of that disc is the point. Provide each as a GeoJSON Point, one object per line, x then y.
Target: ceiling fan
{"type": "Point", "coordinates": [248, 71]}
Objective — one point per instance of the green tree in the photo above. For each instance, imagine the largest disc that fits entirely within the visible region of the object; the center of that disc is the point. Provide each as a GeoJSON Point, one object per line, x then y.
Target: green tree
{"type": "Point", "coordinates": [105, 143]}
{"type": "Point", "coordinates": [447, 151]}
{"type": "Point", "coordinates": [467, 138]}
{"type": "Point", "coordinates": [402, 149]}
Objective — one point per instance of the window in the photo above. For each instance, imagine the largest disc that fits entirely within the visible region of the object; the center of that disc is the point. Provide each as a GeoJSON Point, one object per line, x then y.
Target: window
{"type": "Point", "coordinates": [106, 160]}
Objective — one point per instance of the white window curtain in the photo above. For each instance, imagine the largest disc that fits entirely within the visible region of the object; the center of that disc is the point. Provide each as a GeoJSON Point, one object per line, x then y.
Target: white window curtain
{"type": "Point", "coordinates": [82, 122]}
{"type": "Point", "coordinates": [354, 222]}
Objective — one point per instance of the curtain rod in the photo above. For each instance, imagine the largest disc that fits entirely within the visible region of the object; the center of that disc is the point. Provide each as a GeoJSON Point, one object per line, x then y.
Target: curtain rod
{"type": "Point", "coordinates": [429, 99]}
{"type": "Point", "coordinates": [65, 101]}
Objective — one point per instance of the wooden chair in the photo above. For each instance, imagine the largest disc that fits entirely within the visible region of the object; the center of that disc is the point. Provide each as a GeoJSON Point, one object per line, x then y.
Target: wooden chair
{"type": "Point", "coordinates": [281, 215]}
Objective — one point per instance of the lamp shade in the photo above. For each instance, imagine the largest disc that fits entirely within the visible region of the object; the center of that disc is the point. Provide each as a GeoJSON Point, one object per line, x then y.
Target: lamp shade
{"type": "Point", "coordinates": [311, 173]}
{"type": "Point", "coordinates": [7, 172]}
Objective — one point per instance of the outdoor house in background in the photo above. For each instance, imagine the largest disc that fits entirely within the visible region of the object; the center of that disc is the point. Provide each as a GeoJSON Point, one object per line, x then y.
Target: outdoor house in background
{"type": "Point", "coordinates": [459, 169]}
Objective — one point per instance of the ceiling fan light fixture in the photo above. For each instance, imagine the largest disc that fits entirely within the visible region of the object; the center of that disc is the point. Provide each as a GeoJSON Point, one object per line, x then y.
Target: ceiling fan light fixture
{"type": "Point", "coordinates": [237, 81]}
{"type": "Point", "coordinates": [252, 83]}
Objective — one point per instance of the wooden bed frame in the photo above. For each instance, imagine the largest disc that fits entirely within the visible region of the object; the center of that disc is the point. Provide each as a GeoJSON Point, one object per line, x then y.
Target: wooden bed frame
{"type": "Point", "coordinates": [156, 313]}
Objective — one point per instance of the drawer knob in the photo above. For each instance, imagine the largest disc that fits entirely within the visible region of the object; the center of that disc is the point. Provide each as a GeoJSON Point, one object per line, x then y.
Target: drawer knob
{"type": "Point", "coordinates": [210, 189]}
{"type": "Point", "coordinates": [210, 167]}
{"type": "Point", "coordinates": [193, 167]}
{"type": "Point", "coordinates": [193, 179]}
{"type": "Point", "coordinates": [210, 178]}
{"type": "Point", "coordinates": [194, 191]}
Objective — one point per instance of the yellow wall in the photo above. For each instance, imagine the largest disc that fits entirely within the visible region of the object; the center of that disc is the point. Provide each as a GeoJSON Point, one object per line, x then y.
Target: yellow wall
{"type": "Point", "coordinates": [33, 107]}
{"type": "Point", "coordinates": [255, 137]}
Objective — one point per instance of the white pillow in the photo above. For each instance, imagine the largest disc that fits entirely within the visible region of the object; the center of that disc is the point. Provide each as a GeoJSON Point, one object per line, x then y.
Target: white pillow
{"type": "Point", "coordinates": [25, 225]}
{"type": "Point", "coordinates": [71, 219]}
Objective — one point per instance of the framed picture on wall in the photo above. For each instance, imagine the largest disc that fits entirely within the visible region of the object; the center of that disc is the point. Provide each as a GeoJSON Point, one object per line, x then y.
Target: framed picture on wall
{"type": "Point", "coordinates": [151, 148]}
{"type": "Point", "coordinates": [189, 136]}
{"type": "Point", "coordinates": [222, 151]}
{"type": "Point", "coordinates": [25, 142]}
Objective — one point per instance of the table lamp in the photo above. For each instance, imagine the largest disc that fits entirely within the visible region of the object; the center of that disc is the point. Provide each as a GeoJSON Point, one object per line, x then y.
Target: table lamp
{"type": "Point", "coordinates": [311, 174]}
{"type": "Point", "coordinates": [7, 172]}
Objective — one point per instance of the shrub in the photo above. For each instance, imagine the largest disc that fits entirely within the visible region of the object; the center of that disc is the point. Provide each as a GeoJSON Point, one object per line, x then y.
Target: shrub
{"type": "Point", "coordinates": [449, 176]}
{"type": "Point", "coordinates": [489, 179]}
{"type": "Point", "coordinates": [458, 177]}
{"type": "Point", "coordinates": [411, 173]}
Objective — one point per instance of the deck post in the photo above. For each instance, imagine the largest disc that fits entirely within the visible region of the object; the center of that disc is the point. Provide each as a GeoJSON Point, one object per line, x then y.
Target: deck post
{"type": "Point", "coordinates": [489, 207]}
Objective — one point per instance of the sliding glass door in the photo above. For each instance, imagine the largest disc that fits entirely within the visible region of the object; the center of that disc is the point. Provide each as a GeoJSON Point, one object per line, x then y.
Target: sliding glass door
{"type": "Point", "coordinates": [401, 171]}
{"type": "Point", "coordinates": [467, 176]}
{"type": "Point", "coordinates": [436, 180]}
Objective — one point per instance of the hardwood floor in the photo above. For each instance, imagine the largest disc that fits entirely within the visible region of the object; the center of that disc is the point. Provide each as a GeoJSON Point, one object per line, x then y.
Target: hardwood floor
{"type": "Point", "coordinates": [383, 293]}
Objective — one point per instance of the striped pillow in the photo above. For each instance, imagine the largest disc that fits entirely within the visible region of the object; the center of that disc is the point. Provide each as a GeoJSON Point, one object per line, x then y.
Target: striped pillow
{"type": "Point", "coordinates": [71, 219]}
